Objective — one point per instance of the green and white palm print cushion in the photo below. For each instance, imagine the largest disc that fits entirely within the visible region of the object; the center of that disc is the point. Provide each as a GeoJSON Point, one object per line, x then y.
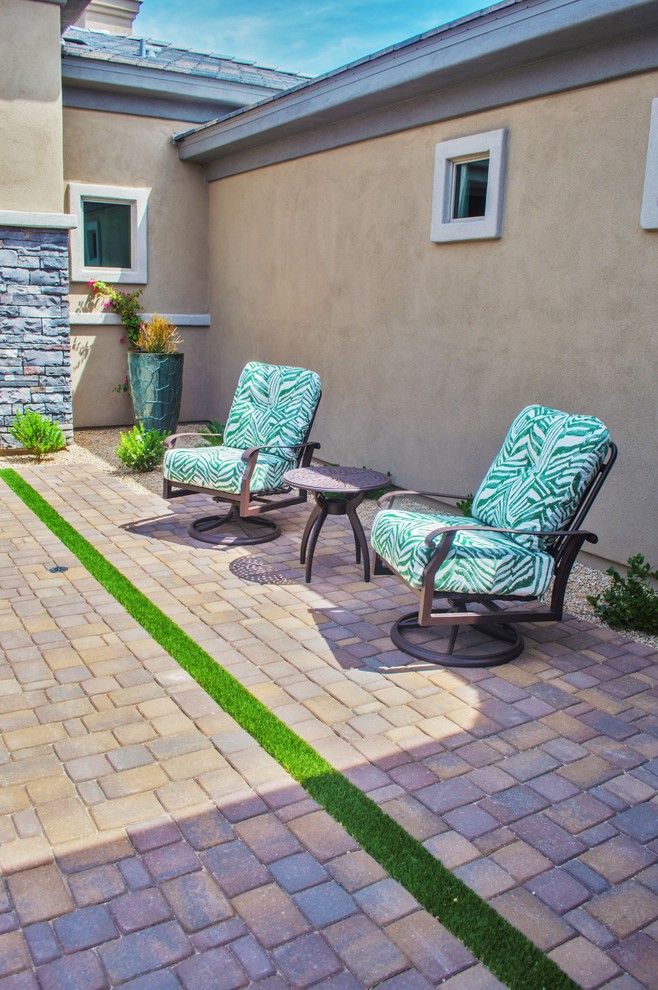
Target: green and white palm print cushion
{"type": "Point", "coordinates": [222, 469]}
{"type": "Point", "coordinates": [272, 405]}
{"type": "Point", "coordinates": [539, 476]}
{"type": "Point", "coordinates": [535, 483]}
{"type": "Point", "coordinates": [477, 564]}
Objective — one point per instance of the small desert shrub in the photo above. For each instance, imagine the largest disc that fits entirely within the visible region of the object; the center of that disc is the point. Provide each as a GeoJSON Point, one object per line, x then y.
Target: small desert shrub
{"type": "Point", "coordinates": [141, 450]}
{"type": "Point", "coordinates": [630, 602]}
{"type": "Point", "coordinates": [216, 428]}
{"type": "Point", "coordinates": [465, 505]}
{"type": "Point", "coordinates": [158, 336]}
{"type": "Point", "coordinates": [37, 434]}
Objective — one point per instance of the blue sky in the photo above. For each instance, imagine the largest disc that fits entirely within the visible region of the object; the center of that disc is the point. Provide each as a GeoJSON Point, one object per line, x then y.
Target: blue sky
{"type": "Point", "coordinates": [308, 36]}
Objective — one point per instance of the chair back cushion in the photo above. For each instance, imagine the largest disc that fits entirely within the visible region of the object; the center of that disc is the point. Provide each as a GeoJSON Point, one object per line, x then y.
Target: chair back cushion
{"type": "Point", "coordinates": [272, 405]}
{"type": "Point", "coordinates": [542, 471]}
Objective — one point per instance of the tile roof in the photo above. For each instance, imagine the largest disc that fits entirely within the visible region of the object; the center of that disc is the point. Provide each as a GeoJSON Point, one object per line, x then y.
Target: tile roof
{"type": "Point", "coordinates": [102, 46]}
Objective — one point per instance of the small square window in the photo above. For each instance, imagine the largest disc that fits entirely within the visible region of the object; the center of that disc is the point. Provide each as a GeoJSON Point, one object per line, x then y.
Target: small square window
{"type": "Point", "coordinates": [470, 189]}
{"type": "Point", "coordinates": [110, 240]}
{"type": "Point", "coordinates": [107, 234]}
{"type": "Point", "coordinates": [469, 174]}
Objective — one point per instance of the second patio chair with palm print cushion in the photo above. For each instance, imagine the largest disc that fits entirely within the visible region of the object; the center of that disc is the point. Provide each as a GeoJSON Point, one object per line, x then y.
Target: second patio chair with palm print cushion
{"type": "Point", "coordinates": [524, 531]}
{"type": "Point", "coordinates": [266, 434]}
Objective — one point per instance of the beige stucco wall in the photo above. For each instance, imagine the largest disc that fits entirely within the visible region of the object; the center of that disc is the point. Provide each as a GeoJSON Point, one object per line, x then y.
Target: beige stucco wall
{"type": "Point", "coordinates": [427, 351]}
{"type": "Point", "coordinates": [30, 107]}
{"type": "Point", "coordinates": [131, 151]}
{"type": "Point", "coordinates": [99, 363]}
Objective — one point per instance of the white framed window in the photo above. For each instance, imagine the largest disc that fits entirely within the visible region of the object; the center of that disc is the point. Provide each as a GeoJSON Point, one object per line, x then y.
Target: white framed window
{"type": "Point", "coordinates": [469, 183]}
{"type": "Point", "coordinates": [110, 240]}
{"type": "Point", "coordinates": [649, 214]}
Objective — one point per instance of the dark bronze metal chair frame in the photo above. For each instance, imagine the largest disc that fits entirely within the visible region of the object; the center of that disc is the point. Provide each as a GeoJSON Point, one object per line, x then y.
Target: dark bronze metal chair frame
{"type": "Point", "coordinates": [564, 546]}
{"type": "Point", "coordinates": [245, 507]}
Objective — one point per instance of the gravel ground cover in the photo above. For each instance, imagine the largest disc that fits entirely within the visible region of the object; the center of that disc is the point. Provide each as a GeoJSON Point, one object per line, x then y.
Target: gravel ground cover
{"type": "Point", "coordinates": [99, 446]}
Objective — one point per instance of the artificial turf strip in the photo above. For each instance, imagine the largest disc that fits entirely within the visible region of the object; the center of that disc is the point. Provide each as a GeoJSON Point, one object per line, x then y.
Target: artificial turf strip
{"type": "Point", "coordinates": [512, 957]}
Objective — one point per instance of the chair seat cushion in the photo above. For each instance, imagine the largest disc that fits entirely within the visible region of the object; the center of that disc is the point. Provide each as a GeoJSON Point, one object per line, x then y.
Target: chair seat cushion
{"type": "Point", "coordinates": [477, 563]}
{"type": "Point", "coordinates": [222, 469]}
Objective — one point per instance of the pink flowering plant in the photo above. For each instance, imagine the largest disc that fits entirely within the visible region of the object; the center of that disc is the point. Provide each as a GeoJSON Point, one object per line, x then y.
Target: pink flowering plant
{"type": "Point", "coordinates": [127, 306]}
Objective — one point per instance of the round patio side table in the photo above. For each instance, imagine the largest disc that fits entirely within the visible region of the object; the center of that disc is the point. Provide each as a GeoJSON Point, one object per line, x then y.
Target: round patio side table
{"type": "Point", "coordinates": [337, 492]}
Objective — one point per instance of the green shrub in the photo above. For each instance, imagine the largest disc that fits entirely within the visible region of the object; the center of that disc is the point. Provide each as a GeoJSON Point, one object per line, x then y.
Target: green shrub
{"type": "Point", "coordinates": [37, 434]}
{"type": "Point", "coordinates": [465, 505]}
{"type": "Point", "coordinates": [630, 602]}
{"type": "Point", "coordinates": [141, 450]}
{"type": "Point", "coordinates": [213, 427]}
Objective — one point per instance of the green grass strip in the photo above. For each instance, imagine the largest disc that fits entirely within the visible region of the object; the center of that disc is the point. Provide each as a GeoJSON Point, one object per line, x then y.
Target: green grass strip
{"type": "Point", "coordinates": [512, 957]}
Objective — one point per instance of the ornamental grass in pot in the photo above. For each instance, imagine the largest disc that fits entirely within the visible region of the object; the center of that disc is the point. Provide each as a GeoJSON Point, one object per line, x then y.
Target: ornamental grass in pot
{"type": "Point", "coordinates": [155, 375]}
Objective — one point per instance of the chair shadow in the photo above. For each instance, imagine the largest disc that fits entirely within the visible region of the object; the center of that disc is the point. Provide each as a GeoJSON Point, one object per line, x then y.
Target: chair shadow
{"type": "Point", "coordinates": [255, 565]}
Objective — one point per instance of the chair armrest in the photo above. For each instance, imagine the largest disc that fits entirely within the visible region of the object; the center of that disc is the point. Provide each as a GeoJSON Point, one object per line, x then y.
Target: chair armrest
{"type": "Point", "coordinates": [254, 451]}
{"type": "Point", "coordinates": [442, 530]}
{"type": "Point", "coordinates": [170, 441]}
{"type": "Point", "coordinates": [387, 496]}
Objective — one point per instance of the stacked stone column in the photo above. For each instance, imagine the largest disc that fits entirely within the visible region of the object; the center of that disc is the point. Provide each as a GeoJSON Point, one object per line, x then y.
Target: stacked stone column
{"type": "Point", "coordinates": [35, 344]}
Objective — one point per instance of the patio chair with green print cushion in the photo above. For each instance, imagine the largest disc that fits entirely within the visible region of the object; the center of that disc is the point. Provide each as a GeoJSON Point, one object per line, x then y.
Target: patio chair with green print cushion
{"type": "Point", "coordinates": [524, 531]}
{"type": "Point", "coordinates": [266, 434]}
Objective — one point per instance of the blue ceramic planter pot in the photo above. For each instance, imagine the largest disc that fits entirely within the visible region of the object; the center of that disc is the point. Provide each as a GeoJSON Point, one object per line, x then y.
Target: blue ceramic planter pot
{"type": "Point", "coordinates": [156, 386]}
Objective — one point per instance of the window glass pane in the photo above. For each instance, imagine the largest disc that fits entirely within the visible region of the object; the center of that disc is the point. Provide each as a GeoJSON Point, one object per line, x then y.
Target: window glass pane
{"type": "Point", "coordinates": [470, 197]}
{"type": "Point", "coordinates": [107, 234]}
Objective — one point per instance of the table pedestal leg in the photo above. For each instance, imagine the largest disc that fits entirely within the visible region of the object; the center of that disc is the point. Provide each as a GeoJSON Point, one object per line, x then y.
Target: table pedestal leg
{"type": "Point", "coordinates": [310, 538]}
{"type": "Point", "coordinates": [360, 541]}
{"type": "Point", "coordinates": [315, 512]}
{"type": "Point", "coordinates": [334, 507]}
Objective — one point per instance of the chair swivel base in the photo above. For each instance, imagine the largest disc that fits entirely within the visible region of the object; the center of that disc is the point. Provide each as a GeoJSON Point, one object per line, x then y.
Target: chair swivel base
{"type": "Point", "coordinates": [233, 530]}
{"type": "Point", "coordinates": [480, 655]}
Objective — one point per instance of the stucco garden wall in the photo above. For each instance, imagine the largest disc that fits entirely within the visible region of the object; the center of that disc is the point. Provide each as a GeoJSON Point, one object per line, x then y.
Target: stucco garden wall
{"type": "Point", "coordinates": [427, 351]}
{"type": "Point", "coordinates": [130, 151]}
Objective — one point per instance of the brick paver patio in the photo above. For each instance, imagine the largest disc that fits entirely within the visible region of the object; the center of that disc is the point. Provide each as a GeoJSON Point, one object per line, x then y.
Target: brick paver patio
{"type": "Point", "coordinates": [147, 841]}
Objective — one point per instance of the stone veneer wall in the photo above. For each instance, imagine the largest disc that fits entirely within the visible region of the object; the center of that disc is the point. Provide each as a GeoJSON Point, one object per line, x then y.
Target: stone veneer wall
{"type": "Point", "coordinates": [35, 345]}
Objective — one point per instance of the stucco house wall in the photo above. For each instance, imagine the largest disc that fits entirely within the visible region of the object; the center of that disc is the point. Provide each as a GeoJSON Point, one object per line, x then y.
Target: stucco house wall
{"type": "Point", "coordinates": [130, 151]}
{"type": "Point", "coordinates": [30, 107]}
{"type": "Point", "coordinates": [114, 101]}
{"type": "Point", "coordinates": [427, 351]}
{"type": "Point", "coordinates": [35, 367]}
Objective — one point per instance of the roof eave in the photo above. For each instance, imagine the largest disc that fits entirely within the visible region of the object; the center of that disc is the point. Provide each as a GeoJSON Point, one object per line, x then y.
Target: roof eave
{"type": "Point", "coordinates": [110, 76]}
